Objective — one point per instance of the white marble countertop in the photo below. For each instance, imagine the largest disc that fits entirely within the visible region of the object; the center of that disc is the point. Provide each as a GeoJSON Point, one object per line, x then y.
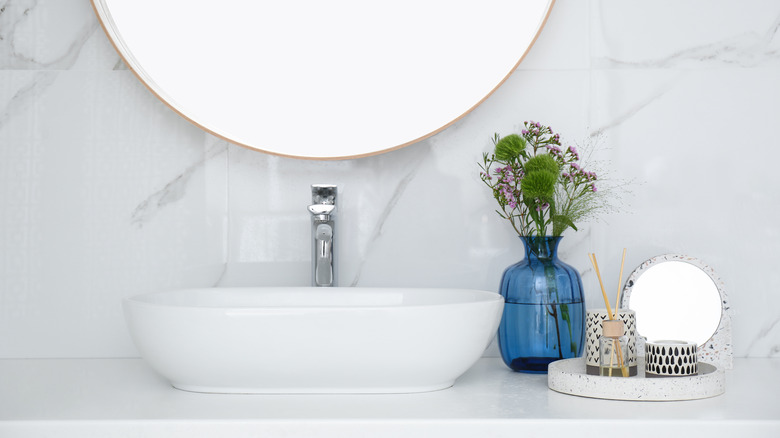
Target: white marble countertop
{"type": "Point", "coordinates": [124, 398]}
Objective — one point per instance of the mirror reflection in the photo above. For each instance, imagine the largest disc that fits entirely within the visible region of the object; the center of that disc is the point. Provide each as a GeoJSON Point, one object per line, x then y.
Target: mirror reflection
{"type": "Point", "coordinates": [322, 80]}
{"type": "Point", "coordinates": [675, 300]}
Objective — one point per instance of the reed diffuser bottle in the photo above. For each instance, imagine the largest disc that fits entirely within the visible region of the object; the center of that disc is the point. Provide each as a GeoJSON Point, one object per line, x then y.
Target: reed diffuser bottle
{"type": "Point", "coordinates": [613, 349]}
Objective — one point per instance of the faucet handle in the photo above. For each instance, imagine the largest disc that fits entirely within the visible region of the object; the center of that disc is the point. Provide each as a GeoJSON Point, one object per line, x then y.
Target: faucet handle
{"type": "Point", "coordinates": [321, 209]}
{"type": "Point", "coordinates": [323, 194]}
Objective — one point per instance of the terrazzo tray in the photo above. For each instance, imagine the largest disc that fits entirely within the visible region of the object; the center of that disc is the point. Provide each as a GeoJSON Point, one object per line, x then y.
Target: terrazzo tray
{"type": "Point", "coordinates": [568, 377]}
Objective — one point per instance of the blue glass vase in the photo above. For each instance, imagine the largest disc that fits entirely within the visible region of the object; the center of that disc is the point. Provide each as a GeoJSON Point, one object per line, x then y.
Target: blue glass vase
{"type": "Point", "coordinates": [544, 313]}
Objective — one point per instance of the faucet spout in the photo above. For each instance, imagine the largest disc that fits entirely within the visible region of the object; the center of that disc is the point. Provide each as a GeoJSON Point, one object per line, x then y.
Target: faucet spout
{"type": "Point", "coordinates": [323, 221]}
{"type": "Point", "coordinates": [323, 264]}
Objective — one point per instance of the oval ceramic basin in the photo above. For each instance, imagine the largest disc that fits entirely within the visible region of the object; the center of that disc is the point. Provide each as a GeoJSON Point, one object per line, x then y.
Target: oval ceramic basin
{"type": "Point", "coordinates": [306, 340]}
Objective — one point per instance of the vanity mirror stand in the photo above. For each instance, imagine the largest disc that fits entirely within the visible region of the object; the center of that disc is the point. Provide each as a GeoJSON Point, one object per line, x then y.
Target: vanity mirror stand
{"type": "Point", "coordinates": [674, 297]}
{"type": "Point", "coordinates": [680, 297]}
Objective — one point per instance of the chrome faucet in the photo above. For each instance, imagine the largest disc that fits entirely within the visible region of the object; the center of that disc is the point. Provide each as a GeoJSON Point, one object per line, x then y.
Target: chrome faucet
{"type": "Point", "coordinates": [323, 219]}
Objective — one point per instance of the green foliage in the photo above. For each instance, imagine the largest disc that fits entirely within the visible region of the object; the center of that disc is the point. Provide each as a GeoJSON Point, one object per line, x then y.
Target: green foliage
{"type": "Point", "coordinates": [567, 317]}
{"type": "Point", "coordinates": [561, 222]}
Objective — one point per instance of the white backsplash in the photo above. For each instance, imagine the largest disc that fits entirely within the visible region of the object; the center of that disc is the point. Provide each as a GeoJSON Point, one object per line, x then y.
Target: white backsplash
{"type": "Point", "coordinates": [106, 193]}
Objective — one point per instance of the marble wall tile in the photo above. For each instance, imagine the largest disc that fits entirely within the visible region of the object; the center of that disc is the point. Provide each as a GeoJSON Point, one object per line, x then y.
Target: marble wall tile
{"type": "Point", "coordinates": [692, 34]}
{"type": "Point", "coordinates": [689, 150]}
{"type": "Point", "coordinates": [443, 230]}
{"type": "Point", "coordinates": [51, 35]}
{"type": "Point", "coordinates": [690, 114]}
{"type": "Point", "coordinates": [105, 192]}
{"type": "Point", "coordinates": [270, 223]}
{"type": "Point", "coordinates": [564, 42]}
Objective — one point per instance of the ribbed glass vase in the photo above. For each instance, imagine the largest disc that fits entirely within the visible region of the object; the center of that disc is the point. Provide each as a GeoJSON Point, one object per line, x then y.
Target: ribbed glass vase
{"type": "Point", "coordinates": [544, 313]}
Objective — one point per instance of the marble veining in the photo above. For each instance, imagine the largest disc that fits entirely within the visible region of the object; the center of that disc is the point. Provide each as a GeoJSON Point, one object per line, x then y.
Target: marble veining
{"type": "Point", "coordinates": [746, 50]}
{"type": "Point", "coordinates": [174, 190]}
{"type": "Point", "coordinates": [382, 218]}
{"type": "Point", "coordinates": [630, 112]}
{"type": "Point", "coordinates": [726, 38]}
{"type": "Point", "coordinates": [764, 334]}
{"type": "Point", "coordinates": [26, 95]}
{"type": "Point", "coordinates": [24, 23]}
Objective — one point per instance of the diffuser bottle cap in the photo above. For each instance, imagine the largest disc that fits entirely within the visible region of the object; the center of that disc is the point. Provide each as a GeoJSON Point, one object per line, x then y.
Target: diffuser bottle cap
{"type": "Point", "coordinates": [612, 328]}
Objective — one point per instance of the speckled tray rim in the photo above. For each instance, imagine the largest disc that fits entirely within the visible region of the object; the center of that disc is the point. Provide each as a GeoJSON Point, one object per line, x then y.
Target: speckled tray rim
{"type": "Point", "coordinates": [568, 376]}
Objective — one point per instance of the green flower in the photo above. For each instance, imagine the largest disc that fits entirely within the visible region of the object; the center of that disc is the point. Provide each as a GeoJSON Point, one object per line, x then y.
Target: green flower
{"type": "Point", "coordinates": [539, 185]}
{"type": "Point", "coordinates": [542, 163]}
{"type": "Point", "coordinates": [509, 147]}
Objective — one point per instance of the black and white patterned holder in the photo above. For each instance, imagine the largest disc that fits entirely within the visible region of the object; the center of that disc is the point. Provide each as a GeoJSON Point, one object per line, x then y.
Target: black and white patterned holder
{"type": "Point", "coordinates": [594, 318]}
{"type": "Point", "coordinates": [670, 359]}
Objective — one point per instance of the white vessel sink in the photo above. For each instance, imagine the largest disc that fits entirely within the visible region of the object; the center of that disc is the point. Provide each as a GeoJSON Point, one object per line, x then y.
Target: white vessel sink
{"type": "Point", "coordinates": [306, 340]}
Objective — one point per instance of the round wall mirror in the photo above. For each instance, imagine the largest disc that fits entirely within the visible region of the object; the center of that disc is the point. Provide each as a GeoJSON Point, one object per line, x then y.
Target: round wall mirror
{"type": "Point", "coordinates": [678, 297]}
{"type": "Point", "coordinates": [322, 80]}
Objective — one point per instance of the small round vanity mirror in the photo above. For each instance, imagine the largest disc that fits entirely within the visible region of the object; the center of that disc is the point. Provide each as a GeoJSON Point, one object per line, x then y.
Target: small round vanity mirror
{"type": "Point", "coordinates": [679, 297]}
{"type": "Point", "coordinates": [322, 80]}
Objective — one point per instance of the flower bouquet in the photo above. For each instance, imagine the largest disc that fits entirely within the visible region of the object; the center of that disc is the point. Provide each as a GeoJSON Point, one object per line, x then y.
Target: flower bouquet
{"type": "Point", "coordinates": [542, 189]}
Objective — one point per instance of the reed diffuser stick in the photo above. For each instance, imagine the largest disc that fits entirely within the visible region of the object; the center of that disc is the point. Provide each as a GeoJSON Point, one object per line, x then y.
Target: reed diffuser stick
{"type": "Point", "coordinates": [612, 358]}
{"type": "Point", "coordinates": [621, 364]}
{"type": "Point", "coordinates": [601, 283]}
{"type": "Point", "coordinates": [620, 281]}
{"type": "Point", "coordinates": [623, 367]}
